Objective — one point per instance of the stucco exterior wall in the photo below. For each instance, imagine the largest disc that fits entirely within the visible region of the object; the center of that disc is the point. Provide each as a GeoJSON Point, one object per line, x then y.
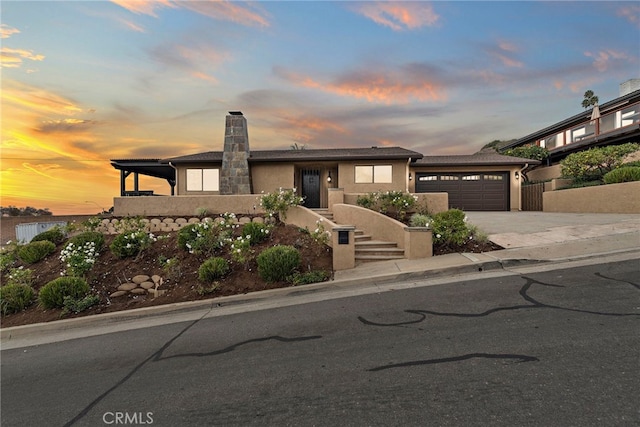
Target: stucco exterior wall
{"type": "Point", "coordinates": [545, 173]}
{"type": "Point", "coordinates": [186, 205]}
{"type": "Point", "coordinates": [270, 177]}
{"type": "Point", "coordinates": [612, 198]}
{"type": "Point", "coordinates": [380, 227]}
{"type": "Point", "coordinates": [435, 202]}
{"type": "Point", "coordinates": [347, 177]}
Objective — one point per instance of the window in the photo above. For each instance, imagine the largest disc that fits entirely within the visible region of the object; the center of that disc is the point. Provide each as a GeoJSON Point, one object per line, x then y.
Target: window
{"type": "Point", "coordinates": [428, 178]}
{"type": "Point", "coordinates": [203, 180]}
{"type": "Point", "coordinates": [493, 177]}
{"type": "Point", "coordinates": [449, 178]}
{"type": "Point", "coordinates": [471, 177]}
{"type": "Point", "coordinates": [374, 174]}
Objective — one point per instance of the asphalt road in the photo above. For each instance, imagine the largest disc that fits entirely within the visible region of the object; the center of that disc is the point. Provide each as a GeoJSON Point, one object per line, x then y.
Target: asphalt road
{"type": "Point", "coordinates": [556, 348]}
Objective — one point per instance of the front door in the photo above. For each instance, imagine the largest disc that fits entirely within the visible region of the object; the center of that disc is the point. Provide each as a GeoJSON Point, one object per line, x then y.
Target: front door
{"type": "Point", "coordinates": [311, 188]}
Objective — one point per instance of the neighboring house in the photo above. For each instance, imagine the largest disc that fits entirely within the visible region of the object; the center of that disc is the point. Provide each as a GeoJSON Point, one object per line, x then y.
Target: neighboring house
{"type": "Point", "coordinates": [614, 122]}
{"type": "Point", "coordinates": [476, 182]}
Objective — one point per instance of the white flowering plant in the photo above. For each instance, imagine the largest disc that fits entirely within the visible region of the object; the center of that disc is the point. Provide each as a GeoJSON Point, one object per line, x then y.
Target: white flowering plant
{"type": "Point", "coordinates": [240, 249]}
{"type": "Point", "coordinates": [395, 204]}
{"type": "Point", "coordinates": [278, 202]}
{"type": "Point", "coordinates": [319, 234]}
{"type": "Point", "coordinates": [20, 276]}
{"type": "Point", "coordinates": [208, 236]}
{"type": "Point", "coordinates": [131, 243]}
{"type": "Point", "coordinates": [78, 258]}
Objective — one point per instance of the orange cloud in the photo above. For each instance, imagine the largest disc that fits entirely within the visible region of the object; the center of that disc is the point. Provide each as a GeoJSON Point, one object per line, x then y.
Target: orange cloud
{"type": "Point", "coordinates": [7, 31]}
{"type": "Point", "coordinates": [605, 59]}
{"type": "Point", "coordinates": [12, 58]}
{"type": "Point", "coordinates": [216, 9]}
{"type": "Point", "coordinates": [399, 15]}
{"type": "Point", "coordinates": [631, 13]}
{"type": "Point", "coordinates": [388, 87]}
{"type": "Point", "coordinates": [36, 100]}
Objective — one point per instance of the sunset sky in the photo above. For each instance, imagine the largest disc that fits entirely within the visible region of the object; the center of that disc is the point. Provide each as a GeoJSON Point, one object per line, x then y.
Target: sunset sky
{"type": "Point", "coordinates": [84, 82]}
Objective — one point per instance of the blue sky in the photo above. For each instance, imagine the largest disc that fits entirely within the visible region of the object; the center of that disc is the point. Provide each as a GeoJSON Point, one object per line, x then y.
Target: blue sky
{"type": "Point", "coordinates": [88, 81]}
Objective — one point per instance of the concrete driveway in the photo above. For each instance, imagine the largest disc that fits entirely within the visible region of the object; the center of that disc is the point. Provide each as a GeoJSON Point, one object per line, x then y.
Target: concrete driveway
{"type": "Point", "coordinates": [524, 229]}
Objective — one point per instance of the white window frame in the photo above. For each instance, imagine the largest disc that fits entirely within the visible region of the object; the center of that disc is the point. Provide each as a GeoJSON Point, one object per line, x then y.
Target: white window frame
{"type": "Point", "coordinates": [373, 174]}
{"type": "Point", "coordinates": [203, 179]}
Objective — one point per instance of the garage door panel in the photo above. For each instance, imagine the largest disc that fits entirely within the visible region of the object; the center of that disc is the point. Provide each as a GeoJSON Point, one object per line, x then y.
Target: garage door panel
{"type": "Point", "coordinates": [468, 190]}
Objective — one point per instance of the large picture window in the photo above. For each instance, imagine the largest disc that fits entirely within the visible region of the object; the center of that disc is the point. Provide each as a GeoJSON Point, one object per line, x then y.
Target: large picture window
{"type": "Point", "coordinates": [378, 174]}
{"type": "Point", "coordinates": [203, 180]}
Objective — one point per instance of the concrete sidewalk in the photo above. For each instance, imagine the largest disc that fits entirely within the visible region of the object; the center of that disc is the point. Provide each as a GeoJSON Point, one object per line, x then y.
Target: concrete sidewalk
{"type": "Point", "coordinates": [530, 238]}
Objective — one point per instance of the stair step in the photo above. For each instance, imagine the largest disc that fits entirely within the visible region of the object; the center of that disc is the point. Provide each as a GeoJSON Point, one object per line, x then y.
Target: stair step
{"type": "Point", "coordinates": [372, 258]}
{"type": "Point", "coordinates": [390, 252]}
{"type": "Point", "coordinates": [362, 237]}
{"type": "Point", "coordinates": [374, 244]}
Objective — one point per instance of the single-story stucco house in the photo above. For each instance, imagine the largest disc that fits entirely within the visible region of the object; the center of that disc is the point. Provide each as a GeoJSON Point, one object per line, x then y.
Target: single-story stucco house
{"type": "Point", "coordinates": [472, 182]}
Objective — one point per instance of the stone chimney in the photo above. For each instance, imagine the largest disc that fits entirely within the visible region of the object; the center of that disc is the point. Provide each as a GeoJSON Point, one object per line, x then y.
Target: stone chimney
{"type": "Point", "coordinates": [234, 176]}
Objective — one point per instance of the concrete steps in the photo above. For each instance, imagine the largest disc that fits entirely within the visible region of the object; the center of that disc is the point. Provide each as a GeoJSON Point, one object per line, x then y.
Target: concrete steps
{"type": "Point", "coordinates": [367, 249]}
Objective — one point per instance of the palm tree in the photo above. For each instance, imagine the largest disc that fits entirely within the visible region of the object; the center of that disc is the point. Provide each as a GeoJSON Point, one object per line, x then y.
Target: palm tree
{"type": "Point", "coordinates": [295, 146]}
{"type": "Point", "coordinates": [590, 99]}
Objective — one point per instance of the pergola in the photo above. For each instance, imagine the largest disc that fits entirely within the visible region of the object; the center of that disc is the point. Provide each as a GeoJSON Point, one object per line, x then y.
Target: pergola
{"type": "Point", "coordinates": [148, 167]}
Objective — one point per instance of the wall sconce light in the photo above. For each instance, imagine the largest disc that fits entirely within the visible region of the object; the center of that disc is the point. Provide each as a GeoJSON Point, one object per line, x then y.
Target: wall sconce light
{"type": "Point", "coordinates": [329, 177]}
{"type": "Point", "coordinates": [410, 177]}
{"type": "Point", "coordinates": [517, 175]}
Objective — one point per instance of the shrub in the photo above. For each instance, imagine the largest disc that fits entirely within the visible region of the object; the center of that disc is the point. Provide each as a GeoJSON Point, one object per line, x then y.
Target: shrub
{"type": "Point", "coordinates": [593, 164]}
{"type": "Point", "coordinates": [278, 262]}
{"type": "Point", "coordinates": [278, 202]}
{"type": "Point", "coordinates": [35, 251]}
{"type": "Point", "coordinates": [81, 239]}
{"type": "Point", "coordinates": [531, 152]}
{"type": "Point", "coordinates": [53, 293]}
{"type": "Point", "coordinates": [79, 259]}
{"type": "Point", "coordinates": [91, 224]}
{"type": "Point", "coordinates": [240, 249]}
{"type": "Point", "coordinates": [450, 227]}
{"type": "Point", "coordinates": [315, 276]}
{"type": "Point", "coordinates": [54, 235]}
{"type": "Point", "coordinates": [208, 236]}
{"type": "Point", "coordinates": [8, 257]}
{"type": "Point", "coordinates": [632, 163]}
{"type": "Point", "coordinates": [622, 174]}
{"type": "Point", "coordinates": [20, 276]}
{"type": "Point", "coordinates": [76, 305]}
{"type": "Point", "coordinates": [419, 220]}
{"type": "Point", "coordinates": [131, 243]}
{"type": "Point", "coordinates": [256, 232]}
{"type": "Point", "coordinates": [171, 267]}
{"type": "Point", "coordinates": [392, 203]}
{"type": "Point", "coordinates": [213, 269]}
{"type": "Point", "coordinates": [15, 297]}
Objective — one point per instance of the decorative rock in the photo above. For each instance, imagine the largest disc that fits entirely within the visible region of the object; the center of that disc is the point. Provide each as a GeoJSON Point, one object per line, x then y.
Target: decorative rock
{"type": "Point", "coordinates": [156, 278]}
{"type": "Point", "coordinates": [168, 220]}
{"type": "Point", "coordinates": [258, 219]}
{"type": "Point", "coordinates": [147, 285]}
{"type": "Point", "coordinates": [155, 221]}
{"type": "Point", "coordinates": [181, 221]}
{"type": "Point", "coordinates": [138, 291]}
{"type": "Point", "coordinates": [117, 294]}
{"type": "Point", "coordinates": [194, 220]}
{"type": "Point", "coordinates": [127, 286]}
{"type": "Point", "coordinates": [244, 220]}
{"type": "Point", "coordinates": [140, 278]}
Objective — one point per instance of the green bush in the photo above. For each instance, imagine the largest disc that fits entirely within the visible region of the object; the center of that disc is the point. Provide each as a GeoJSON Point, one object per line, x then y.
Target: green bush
{"type": "Point", "coordinates": [622, 174]}
{"type": "Point", "coordinates": [450, 227]}
{"type": "Point", "coordinates": [593, 164]}
{"type": "Point", "coordinates": [392, 203]}
{"type": "Point", "coordinates": [206, 237]}
{"type": "Point", "coordinates": [76, 305]}
{"type": "Point", "coordinates": [53, 293]}
{"type": "Point", "coordinates": [531, 152]}
{"type": "Point", "coordinates": [278, 202]}
{"type": "Point", "coordinates": [213, 269]}
{"type": "Point", "coordinates": [20, 276]}
{"type": "Point", "coordinates": [419, 220]}
{"type": "Point", "coordinates": [278, 262]}
{"type": "Point", "coordinates": [15, 297]}
{"type": "Point", "coordinates": [35, 251]}
{"type": "Point", "coordinates": [8, 258]}
{"type": "Point", "coordinates": [256, 231]}
{"type": "Point", "coordinates": [635, 163]}
{"type": "Point", "coordinates": [315, 276]}
{"type": "Point", "coordinates": [80, 240]}
{"type": "Point", "coordinates": [54, 235]}
{"type": "Point", "coordinates": [131, 243]}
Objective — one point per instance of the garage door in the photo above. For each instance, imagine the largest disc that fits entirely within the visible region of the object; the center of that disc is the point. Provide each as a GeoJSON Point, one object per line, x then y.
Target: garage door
{"type": "Point", "coordinates": [469, 191]}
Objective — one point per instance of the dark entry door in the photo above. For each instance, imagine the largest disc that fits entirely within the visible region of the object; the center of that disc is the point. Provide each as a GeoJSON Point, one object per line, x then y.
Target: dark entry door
{"type": "Point", "coordinates": [311, 188]}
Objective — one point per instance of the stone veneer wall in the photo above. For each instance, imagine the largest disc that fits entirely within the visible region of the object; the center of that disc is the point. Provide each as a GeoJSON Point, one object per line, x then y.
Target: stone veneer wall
{"type": "Point", "coordinates": [110, 225]}
{"type": "Point", "coordinates": [234, 175]}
